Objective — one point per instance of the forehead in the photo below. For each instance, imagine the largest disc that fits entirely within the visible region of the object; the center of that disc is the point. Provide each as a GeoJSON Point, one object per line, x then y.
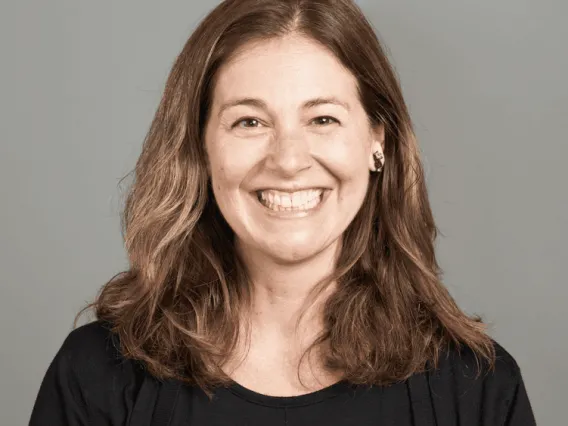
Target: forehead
{"type": "Point", "coordinates": [289, 69]}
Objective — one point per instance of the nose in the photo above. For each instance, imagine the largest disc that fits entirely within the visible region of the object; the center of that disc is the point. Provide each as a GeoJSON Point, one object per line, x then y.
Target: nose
{"type": "Point", "coordinates": [289, 155]}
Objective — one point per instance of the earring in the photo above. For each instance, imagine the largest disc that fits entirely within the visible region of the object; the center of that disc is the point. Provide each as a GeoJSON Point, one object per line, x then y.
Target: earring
{"type": "Point", "coordinates": [379, 161]}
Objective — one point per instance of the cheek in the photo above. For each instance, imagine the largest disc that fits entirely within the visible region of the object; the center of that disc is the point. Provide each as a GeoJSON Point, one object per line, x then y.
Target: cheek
{"type": "Point", "coordinates": [346, 157]}
{"type": "Point", "coordinates": [230, 165]}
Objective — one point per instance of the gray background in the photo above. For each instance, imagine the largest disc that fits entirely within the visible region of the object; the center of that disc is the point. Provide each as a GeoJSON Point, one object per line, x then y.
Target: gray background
{"type": "Point", "coordinates": [485, 82]}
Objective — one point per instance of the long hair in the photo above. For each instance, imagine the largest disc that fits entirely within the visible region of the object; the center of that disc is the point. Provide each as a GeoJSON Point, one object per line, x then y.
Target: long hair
{"type": "Point", "coordinates": [179, 306]}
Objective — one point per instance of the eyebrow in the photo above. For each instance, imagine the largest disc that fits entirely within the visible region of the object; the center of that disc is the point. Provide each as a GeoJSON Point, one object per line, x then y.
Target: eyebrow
{"type": "Point", "coordinates": [259, 103]}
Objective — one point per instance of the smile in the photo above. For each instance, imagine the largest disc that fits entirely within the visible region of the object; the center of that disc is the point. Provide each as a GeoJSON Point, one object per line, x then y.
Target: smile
{"type": "Point", "coordinates": [295, 204]}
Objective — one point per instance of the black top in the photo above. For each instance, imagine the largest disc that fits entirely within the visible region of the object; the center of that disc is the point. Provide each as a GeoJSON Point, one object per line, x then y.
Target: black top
{"type": "Point", "coordinates": [89, 383]}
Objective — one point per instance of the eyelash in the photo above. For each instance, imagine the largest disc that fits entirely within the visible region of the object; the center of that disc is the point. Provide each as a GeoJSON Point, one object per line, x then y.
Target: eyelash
{"type": "Point", "coordinates": [251, 118]}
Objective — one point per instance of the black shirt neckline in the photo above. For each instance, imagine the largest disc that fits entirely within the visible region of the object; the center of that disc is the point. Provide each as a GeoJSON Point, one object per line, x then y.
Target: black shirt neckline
{"type": "Point", "coordinates": [289, 401]}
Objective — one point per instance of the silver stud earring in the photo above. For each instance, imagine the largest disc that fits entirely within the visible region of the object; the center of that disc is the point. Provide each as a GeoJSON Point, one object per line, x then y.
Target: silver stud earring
{"type": "Point", "coordinates": [379, 158]}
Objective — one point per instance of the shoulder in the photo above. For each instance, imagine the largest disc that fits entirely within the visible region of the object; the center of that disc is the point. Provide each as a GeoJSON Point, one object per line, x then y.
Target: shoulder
{"type": "Point", "coordinates": [465, 364]}
{"type": "Point", "coordinates": [94, 335]}
{"type": "Point", "coordinates": [473, 388]}
{"type": "Point", "coordinates": [90, 346]}
{"type": "Point", "coordinates": [88, 381]}
{"type": "Point", "coordinates": [90, 357]}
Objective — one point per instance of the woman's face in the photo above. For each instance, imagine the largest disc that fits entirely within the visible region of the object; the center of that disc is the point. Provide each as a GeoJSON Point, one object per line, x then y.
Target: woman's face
{"type": "Point", "coordinates": [289, 148]}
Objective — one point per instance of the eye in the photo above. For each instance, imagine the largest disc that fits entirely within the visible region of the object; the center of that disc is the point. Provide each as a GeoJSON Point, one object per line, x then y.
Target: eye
{"type": "Point", "coordinates": [249, 121]}
{"type": "Point", "coordinates": [325, 120]}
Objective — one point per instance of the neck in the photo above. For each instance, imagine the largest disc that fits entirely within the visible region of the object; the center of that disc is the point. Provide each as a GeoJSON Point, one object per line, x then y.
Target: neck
{"type": "Point", "coordinates": [280, 290]}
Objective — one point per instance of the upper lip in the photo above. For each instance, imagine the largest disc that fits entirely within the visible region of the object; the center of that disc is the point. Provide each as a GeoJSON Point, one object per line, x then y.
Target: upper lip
{"type": "Point", "coordinates": [290, 189]}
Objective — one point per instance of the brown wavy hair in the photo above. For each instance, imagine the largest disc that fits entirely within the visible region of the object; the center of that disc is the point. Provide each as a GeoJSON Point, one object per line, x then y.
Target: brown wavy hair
{"type": "Point", "coordinates": [179, 306]}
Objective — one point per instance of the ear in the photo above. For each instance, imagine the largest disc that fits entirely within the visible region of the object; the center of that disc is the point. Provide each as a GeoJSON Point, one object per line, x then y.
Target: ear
{"type": "Point", "coordinates": [377, 143]}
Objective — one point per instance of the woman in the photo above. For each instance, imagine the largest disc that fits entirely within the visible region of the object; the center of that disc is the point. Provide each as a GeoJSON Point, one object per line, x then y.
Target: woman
{"type": "Point", "coordinates": [282, 250]}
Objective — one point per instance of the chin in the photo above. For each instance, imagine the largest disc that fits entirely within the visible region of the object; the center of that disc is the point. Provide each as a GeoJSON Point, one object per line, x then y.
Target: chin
{"type": "Point", "coordinates": [290, 255]}
{"type": "Point", "coordinates": [292, 251]}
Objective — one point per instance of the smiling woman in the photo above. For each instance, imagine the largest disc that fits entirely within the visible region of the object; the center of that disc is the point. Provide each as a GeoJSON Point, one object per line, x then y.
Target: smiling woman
{"type": "Point", "coordinates": [279, 215]}
{"type": "Point", "coordinates": [301, 136]}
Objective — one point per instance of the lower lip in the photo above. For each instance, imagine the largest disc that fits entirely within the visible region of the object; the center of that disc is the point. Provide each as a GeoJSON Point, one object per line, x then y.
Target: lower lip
{"type": "Point", "coordinates": [293, 214]}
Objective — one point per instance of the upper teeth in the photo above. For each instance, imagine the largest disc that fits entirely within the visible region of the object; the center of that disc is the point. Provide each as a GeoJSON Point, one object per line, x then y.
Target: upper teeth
{"type": "Point", "coordinates": [290, 199]}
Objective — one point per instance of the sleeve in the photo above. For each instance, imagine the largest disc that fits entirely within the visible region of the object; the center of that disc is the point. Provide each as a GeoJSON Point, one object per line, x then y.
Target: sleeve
{"type": "Point", "coordinates": [59, 400]}
{"type": "Point", "coordinates": [520, 412]}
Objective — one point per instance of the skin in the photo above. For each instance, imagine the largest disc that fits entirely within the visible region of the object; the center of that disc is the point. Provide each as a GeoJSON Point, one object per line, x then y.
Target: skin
{"type": "Point", "coordinates": [274, 143]}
